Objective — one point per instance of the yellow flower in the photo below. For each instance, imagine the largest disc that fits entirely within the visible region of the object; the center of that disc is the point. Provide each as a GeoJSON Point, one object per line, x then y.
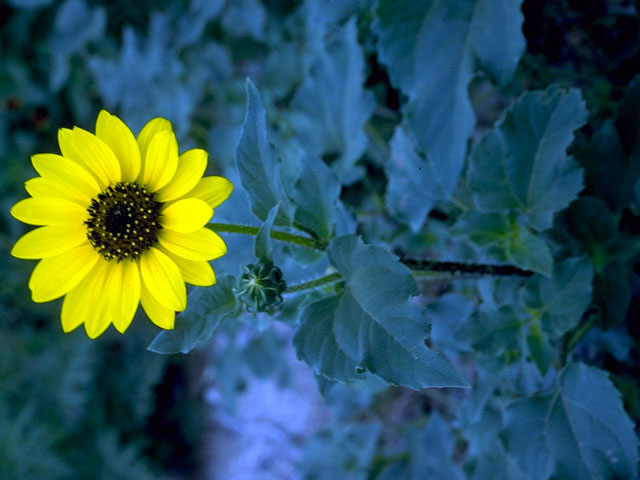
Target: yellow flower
{"type": "Point", "coordinates": [122, 222]}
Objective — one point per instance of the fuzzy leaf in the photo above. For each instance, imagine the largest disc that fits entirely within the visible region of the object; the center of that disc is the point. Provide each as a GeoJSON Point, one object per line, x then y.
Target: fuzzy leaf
{"type": "Point", "coordinates": [161, 87]}
{"type": "Point", "coordinates": [316, 344]}
{"type": "Point", "coordinates": [522, 164]}
{"type": "Point", "coordinates": [258, 163]}
{"type": "Point", "coordinates": [373, 324]}
{"type": "Point", "coordinates": [539, 347]}
{"type": "Point", "coordinates": [579, 431]}
{"type": "Point", "coordinates": [432, 451]}
{"type": "Point", "coordinates": [263, 243]}
{"type": "Point", "coordinates": [561, 299]}
{"type": "Point", "coordinates": [206, 309]}
{"type": "Point", "coordinates": [435, 73]}
{"type": "Point", "coordinates": [529, 251]}
{"type": "Point", "coordinates": [75, 26]}
{"type": "Point", "coordinates": [415, 184]}
{"type": "Point", "coordinates": [494, 330]}
{"type": "Point", "coordinates": [331, 106]}
{"type": "Point", "coordinates": [507, 240]}
{"type": "Point", "coordinates": [316, 192]}
{"type": "Point", "coordinates": [346, 452]}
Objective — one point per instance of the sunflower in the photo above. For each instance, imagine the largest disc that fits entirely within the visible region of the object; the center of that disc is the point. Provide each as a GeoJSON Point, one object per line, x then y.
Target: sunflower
{"type": "Point", "coordinates": [121, 222]}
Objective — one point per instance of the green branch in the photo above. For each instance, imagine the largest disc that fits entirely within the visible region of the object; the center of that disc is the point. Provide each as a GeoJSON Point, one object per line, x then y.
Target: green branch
{"type": "Point", "coordinates": [424, 268]}
{"type": "Point", "coordinates": [433, 268]}
{"type": "Point", "coordinates": [311, 284]}
{"type": "Point", "coordinates": [312, 243]}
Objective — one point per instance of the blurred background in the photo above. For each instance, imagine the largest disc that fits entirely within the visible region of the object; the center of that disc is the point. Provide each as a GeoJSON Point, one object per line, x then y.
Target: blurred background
{"type": "Point", "coordinates": [243, 406]}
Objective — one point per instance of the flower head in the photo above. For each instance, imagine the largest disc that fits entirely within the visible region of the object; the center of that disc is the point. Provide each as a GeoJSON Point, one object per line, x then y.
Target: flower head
{"type": "Point", "coordinates": [121, 222]}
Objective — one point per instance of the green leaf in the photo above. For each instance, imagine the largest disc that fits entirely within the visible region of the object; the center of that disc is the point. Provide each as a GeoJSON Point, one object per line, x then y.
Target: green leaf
{"type": "Point", "coordinates": [579, 431]}
{"type": "Point", "coordinates": [206, 309]}
{"type": "Point", "coordinates": [263, 244]}
{"type": "Point", "coordinates": [610, 173]}
{"type": "Point", "coordinates": [28, 445]}
{"type": "Point", "coordinates": [331, 106]}
{"type": "Point", "coordinates": [497, 51]}
{"type": "Point", "coordinates": [612, 293]}
{"type": "Point", "coordinates": [495, 464]}
{"type": "Point", "coordinates": [391, 344]}
{"type": "Point", "coordinates": [522, 165]}
{"type": "Point", "coordinates": [264, 354]}
{"type": "Point", "coordinates": [316, 344]}
{"type": "Point", "coordinates": [594, 226]}
{"type": "Point", "coordinates": [490, 374]}
{"type": "Point", "coordinates": [75, 26]}
{"type": "Point", "coordinates": [237, 21]}
{"type": "Point", "coordinates": [482, 228]}
{"type": "Point", "coordinates": [316, 193]}
{"type": "Point", "coordinates": [414, 183]}
{"type": "Point", "coordinates": [450, 314]}
{"type": "Point", "coordinates": [539, 347]}
{"type": "Point", "coordinates": [506, 240]}
{"type": "Point", "coordinates": [560, 300]}
{"type": "Point", "coordinates": [258, 163]}
{"type": "Point", "coordinates": [435, 73]}
{"type": "Point", "coordinates": [371, 324]}
{"type": "Point", "coordinates": [493, 331]}
{"type": "Point", "coordinates": [348, 255]}
{"type": "Point", "coordinates": [346, 452]}
{"type": "Point", "coordinates": [432, 451]}
{"type": "Point", "coordinates": [529, 251]}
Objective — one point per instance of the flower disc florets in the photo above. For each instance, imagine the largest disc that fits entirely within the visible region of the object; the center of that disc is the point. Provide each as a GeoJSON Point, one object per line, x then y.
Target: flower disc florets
{"type": "Point", "coordinates": [260, 287]}
{"type": "Point", "coordinates": [123, 221]}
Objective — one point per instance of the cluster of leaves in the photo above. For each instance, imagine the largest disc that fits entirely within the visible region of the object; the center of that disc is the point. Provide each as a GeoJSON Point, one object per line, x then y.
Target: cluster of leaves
{"type": "Point", "coordinates": [503, 193]}
{"type": "Point", "coordinates": [418, 125]}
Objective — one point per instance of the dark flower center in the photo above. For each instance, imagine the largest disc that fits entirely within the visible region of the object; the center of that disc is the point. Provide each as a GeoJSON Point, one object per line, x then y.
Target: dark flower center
{"type": "Point", "coordinates": [123, 221]}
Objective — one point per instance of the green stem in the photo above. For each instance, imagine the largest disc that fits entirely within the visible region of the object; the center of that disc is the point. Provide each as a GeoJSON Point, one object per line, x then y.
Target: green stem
{"type": "Point", "coordinates": [275, 234]}
{"type": "Point", "coordinates": [311, 284]}
{"type": "Point", "coordinates": [425, 276]}
{"type": "Point", "coordinates": [578, 334]}
{"type": "Point", "coordinates": [424, 267]}
{"type": "Point", "coordinates": [433, 268]}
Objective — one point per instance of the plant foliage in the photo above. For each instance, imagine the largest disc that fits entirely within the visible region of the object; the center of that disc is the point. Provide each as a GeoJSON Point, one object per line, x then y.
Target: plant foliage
{"type": "Point", "coordinates": [363, 139]}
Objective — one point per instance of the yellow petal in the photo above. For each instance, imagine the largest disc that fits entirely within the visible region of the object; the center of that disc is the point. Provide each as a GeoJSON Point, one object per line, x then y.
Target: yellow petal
{"type": "Point", "coordinates": [160, 162]}
{"type": "Point", "coordinates": [92, 153]}
{"type": "Point", "coordinates": [213, 190]}
{"type": "Point", "coordinates": [200, 245]}
{"type": "Point", "coordinates": [195, 273]}
{"type": "Point", "coordinates": [49, 211]}
{"type": "Point", "coordinates": [122, 290]}
{"type": "Point", "coordinates": [50, 241]}
{"type": "Point", "coordinates": [55, 276]}
{"type": "Point", "coordinates": [191, 167]}
{"type": "Point", "coordinates": [163, 279]}
{"type": "Point", "coordinates": [115, 133]}
{"type": "Point", "coordinates": [186, 215]}
{"type": "Point", "coordinates": [39, 187]}
{"type": "Point", "coordinates": [98, 317]}
{"type": "Point", "coordinates": [84, 302]}
{"type": "Point", "coordinates": [67, 176]}
{"type": "Point", "coordinates": [160, 315]}
{"type": "Point", "coordinates": [152, 127]}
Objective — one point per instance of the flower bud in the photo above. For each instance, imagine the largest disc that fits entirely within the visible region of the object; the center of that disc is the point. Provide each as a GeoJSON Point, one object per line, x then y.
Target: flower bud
{"type": "Point", "coordinates": [260, 287]}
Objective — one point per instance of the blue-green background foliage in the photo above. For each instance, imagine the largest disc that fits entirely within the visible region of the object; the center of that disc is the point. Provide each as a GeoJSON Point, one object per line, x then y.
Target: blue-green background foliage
{"type": "Point", "coordinates": [476, 131]}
